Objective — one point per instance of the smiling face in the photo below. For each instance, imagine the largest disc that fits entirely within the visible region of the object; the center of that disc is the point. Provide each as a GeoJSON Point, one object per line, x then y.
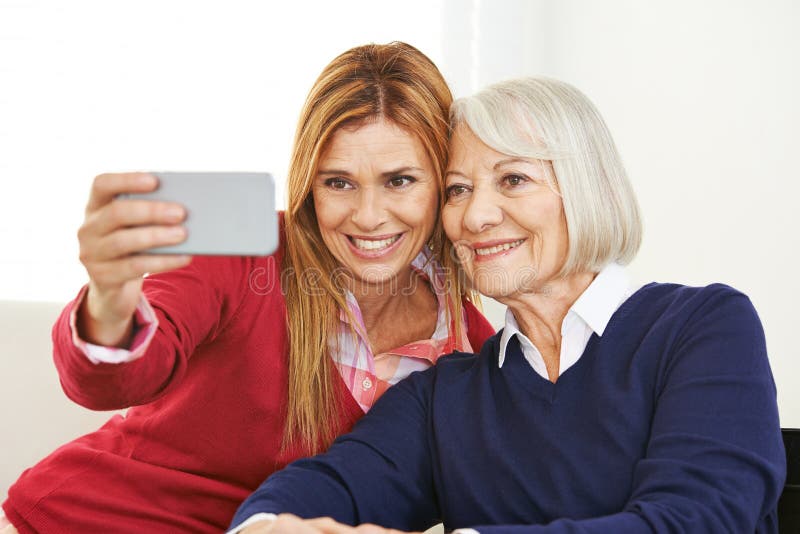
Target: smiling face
{"type": "Point", "coordinates": [376, 199]}
{"type": "Point", "coordinates": [505, 217]}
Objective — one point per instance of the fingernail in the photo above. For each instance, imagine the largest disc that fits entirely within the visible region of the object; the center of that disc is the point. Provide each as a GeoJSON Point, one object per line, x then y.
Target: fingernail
{"type": "Point", "coordinates": [175, 212]}
{"type": "Point", "coordinates": [177, 231]}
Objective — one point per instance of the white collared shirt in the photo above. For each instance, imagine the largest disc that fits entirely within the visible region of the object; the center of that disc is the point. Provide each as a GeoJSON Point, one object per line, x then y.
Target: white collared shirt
{"type": "Point", "coordinates": [588, 315]}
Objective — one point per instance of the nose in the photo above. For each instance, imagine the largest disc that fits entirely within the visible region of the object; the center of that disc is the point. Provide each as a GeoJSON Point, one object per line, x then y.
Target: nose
{"type": "Point", "coordinates": [483, 211]}
{"type": "Point", "coordinates": [369, 212]}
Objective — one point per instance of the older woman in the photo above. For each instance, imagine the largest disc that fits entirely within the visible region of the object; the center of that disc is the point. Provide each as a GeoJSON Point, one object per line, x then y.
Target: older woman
{"type": "Point", "coordinates": [237, 366]}
{"type": "Point", "coordinates": [599, 407]}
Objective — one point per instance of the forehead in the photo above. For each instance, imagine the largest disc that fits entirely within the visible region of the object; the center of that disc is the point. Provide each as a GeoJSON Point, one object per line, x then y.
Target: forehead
{"type": "Point", "coordinates": [465, 147]}
{"type": "Point", "coordinates": [373, 138]}
{"type": "Point", "coordinates": [470, 156]}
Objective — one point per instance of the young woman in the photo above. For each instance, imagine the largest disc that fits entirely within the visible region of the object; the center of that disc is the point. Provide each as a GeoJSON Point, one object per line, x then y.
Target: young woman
{"type": "Point", "coordinates": [599, 407]}
{"type": "Point", "coordinates": [236, 366]}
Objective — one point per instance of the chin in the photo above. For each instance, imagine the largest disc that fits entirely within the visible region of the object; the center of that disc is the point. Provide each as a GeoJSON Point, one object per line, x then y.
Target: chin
{"type": "Point", "coordinates": [497, 281]}
{"type": "Point", "coordinates": [377, 274]}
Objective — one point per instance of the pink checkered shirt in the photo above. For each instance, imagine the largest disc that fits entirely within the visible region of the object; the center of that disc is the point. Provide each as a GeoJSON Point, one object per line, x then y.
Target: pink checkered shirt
{"type": "Point", "coordinates": [369, 375]}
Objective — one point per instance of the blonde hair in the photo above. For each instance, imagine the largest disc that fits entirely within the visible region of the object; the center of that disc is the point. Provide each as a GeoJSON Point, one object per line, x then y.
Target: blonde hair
{"type": "Point", "coordinates": [541, 118]}
{"type": "Point", "coordinates": [396, 82]}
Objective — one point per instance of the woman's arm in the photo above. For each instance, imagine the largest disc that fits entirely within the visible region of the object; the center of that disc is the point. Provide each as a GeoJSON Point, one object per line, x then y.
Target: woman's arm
{"type": "Point", "coordinates": [379, 473]}
{"type": "Point", "coordinates": [191, 306]}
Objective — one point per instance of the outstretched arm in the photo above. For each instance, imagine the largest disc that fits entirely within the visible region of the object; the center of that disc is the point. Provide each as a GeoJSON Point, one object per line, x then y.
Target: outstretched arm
{"type": "Point", "coordinates": [379, 473]}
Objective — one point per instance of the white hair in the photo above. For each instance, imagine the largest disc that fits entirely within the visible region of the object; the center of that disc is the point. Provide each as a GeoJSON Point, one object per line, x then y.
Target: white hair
{"type": "Point", "coordinates": [545, 119]}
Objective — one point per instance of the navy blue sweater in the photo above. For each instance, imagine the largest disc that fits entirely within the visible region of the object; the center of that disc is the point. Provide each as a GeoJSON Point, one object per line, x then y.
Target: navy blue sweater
{"type": "Point", "coordinates": [668, 423]}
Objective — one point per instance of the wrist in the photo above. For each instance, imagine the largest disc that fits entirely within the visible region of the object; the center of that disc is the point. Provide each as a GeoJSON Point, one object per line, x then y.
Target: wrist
{"type": "Point", "coordinates": [98, 329]}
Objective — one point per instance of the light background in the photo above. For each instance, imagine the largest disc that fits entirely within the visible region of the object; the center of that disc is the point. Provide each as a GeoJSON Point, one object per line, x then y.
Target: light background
{"type": "Point", "coordinates": [701, 98]}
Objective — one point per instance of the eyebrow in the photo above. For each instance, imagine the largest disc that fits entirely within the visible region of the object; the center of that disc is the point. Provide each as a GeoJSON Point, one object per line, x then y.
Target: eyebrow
{"type": "Point", "coordinates": [457, 173]}
{"type": "Point", "coordinates": [507, 161]}
{"type": "Point", "coordinates": [387, 174]}
{"type": "Point", "coordinates": [496, 166]}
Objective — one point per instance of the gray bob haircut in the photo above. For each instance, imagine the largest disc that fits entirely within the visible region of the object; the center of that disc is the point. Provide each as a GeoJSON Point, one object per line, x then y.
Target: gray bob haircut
{"type": "Point", "coordinates": [545, 119]}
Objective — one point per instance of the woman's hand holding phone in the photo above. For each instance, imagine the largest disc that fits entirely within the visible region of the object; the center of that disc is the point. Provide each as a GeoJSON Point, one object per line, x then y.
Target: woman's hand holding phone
{"type": "Point", "coordinates": [113, 234]}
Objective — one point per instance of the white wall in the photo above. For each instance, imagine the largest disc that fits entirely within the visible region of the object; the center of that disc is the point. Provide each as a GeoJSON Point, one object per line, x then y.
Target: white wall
{"type": "Point", "coordinates": [92, 86]}
{"type": "Point", "coordinates": [702, 98]}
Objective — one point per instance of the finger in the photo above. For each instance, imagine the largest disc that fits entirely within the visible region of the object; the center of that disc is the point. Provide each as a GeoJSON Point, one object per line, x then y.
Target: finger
{"type": "Point", "coordinates": [127, 213]}
{"type": "Point", "coordinates": [114, 273]}
{"type": "Point", "coordinates": [106, 186]}
{"type": "Point", "coordinates": [260, 527]}
{"type": "Point", "coordinates": [129, 241]}
{"type": "Point", "coordinates": [291, 524]}
{"type": "Point", "coordinates": [326, 525]}
{"type": "Point", "coordinates": [133, 212]}
{"type": "Point", "coordinates": [369, 528]}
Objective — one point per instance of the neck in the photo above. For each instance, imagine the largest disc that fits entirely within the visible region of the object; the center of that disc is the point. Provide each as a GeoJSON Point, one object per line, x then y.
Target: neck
{"type": "Point", "coordinates": [541, 313]}
{"type": "Point", "coordinates": [384, 299]}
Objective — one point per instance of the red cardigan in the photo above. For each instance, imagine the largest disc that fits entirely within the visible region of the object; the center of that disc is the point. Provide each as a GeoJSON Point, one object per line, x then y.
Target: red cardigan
{"type": "Point", "coordinates": [208, 397]}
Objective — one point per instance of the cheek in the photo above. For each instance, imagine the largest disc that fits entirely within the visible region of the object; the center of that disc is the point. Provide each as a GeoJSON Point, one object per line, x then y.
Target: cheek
{"type": "Point", "coordinates": [421, 210]}
{"type": "Point", "coordinates": [329, 212]}
{"type": "Point", "coordinates": [557, 230]}
{"type": "Point", "coordinates": [561, 225]}
{"type": "Point", "coordinates": [450, 222]}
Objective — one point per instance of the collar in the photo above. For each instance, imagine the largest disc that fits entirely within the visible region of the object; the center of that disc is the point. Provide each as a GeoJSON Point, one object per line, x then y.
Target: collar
{"type": "Point", "coordinates": [594, 307]}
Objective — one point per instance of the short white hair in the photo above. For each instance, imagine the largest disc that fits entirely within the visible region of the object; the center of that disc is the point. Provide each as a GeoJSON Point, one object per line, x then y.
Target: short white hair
{"type": "Point", "coordinates": [546, 119]}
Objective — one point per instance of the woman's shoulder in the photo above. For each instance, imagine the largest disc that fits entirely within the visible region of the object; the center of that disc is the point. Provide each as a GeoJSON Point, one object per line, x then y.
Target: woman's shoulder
{"type": "Point", "coordinates": [458, 362]}
{"type": "Point", "coordinates": [684, 307]}
{"type": "Point", "coordinates": [672, 295]}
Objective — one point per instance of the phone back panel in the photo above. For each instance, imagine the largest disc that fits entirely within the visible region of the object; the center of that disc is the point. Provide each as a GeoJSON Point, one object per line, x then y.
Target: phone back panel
{"type": "Point", "coordinates": [228, 213]}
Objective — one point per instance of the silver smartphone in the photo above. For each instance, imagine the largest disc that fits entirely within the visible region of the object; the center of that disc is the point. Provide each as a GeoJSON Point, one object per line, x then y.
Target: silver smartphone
{"type": "Point", "coordinates": [227, 213]}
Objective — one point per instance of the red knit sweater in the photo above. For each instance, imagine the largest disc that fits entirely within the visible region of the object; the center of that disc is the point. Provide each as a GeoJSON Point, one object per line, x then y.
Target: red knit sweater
{"type": "Point", "coordinates": [209, 400]}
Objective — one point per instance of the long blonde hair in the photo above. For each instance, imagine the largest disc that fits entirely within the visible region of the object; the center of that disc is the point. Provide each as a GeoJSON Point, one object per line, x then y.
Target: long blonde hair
{"type": "Point", "coordinates": [394, 81]}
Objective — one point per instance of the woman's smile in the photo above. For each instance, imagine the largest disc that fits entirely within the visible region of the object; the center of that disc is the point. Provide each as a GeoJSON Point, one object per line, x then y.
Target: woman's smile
{"type": "Point", "coordinates": [487, 251]}
{"type": "Point", "coordinates": [375, 247]}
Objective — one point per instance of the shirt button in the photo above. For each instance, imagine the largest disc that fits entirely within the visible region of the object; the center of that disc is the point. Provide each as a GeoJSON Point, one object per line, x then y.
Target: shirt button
{"type": "Point", "coordinates": [367, 383]}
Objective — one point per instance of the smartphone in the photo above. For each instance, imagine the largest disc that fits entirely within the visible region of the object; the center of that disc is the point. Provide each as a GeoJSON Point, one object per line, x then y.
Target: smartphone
{"type": "Point", "coordinates": [227, 213]}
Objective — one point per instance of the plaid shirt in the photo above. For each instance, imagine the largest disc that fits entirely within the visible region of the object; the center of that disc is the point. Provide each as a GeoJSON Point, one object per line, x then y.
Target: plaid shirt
{"type": "Point", "coordinates": [369, 375]}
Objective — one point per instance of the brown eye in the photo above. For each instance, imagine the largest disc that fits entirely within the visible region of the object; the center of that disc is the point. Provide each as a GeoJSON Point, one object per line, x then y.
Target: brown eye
{"type": "Point", "coordinates": [400, 181]}
{"type": "Point", "coordinates": [514, 179]}
{"type": "Point", "coordinates": [455, 190]}
{"type": "Point", "coordinates": [337, 183]}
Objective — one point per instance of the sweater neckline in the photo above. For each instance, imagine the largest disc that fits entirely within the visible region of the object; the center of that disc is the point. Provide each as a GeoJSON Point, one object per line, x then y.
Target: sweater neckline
{"type": "Point", "coordinates": [531, 381]}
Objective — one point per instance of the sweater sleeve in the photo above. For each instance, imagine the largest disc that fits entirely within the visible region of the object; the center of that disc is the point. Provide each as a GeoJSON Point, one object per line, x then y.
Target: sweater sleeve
{"type": "Point", "coordinates": [379, 473]}
{"type": "Point", "coordinates": [714, 461]}
{"type": "Point", "coordinates": [192, 305]}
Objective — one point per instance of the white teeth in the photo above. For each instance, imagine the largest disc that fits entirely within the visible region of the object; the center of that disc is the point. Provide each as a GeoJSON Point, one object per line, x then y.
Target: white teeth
{"type": "Point", "coordinates": [498, 248]}
{"type": "Point", "coordinates": [371, 244]}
